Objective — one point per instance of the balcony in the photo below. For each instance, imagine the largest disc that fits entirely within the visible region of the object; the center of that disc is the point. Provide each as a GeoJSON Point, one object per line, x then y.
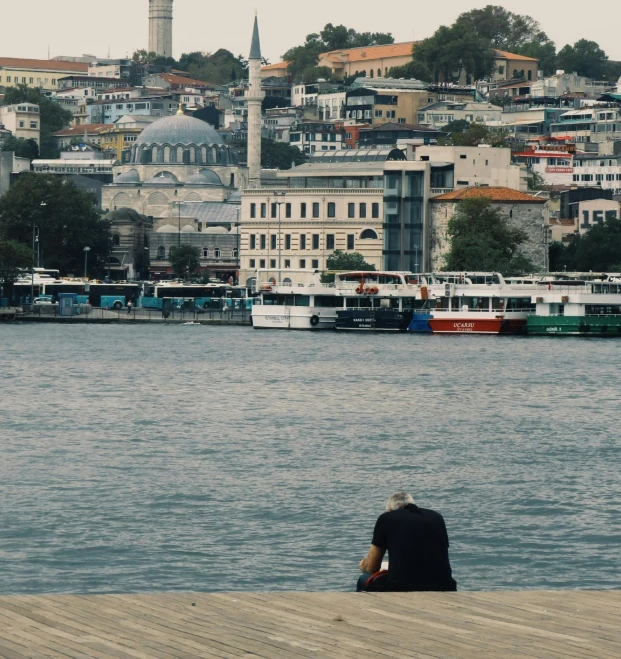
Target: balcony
{"type": "Point", "coordinates": [435, 192]}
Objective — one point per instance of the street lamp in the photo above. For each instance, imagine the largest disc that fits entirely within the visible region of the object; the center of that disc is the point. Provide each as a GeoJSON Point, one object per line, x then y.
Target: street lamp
{"type": "Point", "coordinates": [279, 203]}
{"type": "Point", "coordinates": [86, 251]}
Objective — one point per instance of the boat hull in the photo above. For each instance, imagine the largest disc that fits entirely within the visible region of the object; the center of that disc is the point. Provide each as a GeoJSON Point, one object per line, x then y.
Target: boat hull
{"type": "Point", "coordinates": [376, 320]}
{"type": "Point", "coordinates": [599, 326]}
{"type": "Point", "coordinates": [293, 318]}
{"type": "Point", "coordinates": [465, 325]}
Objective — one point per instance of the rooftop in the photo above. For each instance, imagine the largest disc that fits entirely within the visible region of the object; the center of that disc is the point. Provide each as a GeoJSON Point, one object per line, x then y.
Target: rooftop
{"type": "Point", "coordinates": [278, 66]}
{"type": "Point", "coordinates": [398, 127]}
{"type": "Point", "coordinates": [491, 193]}
{"type": "Point", "coordinates": [174, 79]}
{"type": "Point", "coordinates": [370, 52]}
{"type": "Point", "coordinates": [43, 64]}
{"type": "Point", "coordinates": [78, 131]}
{"type": "Point", "coordinates": [503, 54]}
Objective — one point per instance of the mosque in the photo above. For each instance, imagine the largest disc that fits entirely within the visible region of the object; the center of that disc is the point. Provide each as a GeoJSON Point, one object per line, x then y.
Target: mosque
{"type": "Point", "coordinates": [183, 181]}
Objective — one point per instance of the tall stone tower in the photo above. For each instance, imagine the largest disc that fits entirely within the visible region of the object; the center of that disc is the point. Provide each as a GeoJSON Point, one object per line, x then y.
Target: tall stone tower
{"type": "Point", "coordinates": [160, 27]}
{"type": "Point", "coordinates": [254, 99]}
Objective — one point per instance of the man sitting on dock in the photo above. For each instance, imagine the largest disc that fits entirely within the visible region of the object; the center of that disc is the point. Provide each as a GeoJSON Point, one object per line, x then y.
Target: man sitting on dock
{"type": "Point", "coordinates": [417, 544]}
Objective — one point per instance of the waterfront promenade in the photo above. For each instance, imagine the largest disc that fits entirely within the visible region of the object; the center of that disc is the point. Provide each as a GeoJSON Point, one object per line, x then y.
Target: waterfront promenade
{"type": "Point", "coordinates": [540, 624]}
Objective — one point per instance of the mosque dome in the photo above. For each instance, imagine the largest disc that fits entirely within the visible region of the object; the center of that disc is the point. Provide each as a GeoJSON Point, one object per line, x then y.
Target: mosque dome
{"type": "Point", "coordinates": [163, 178]}
{"type": "Point", "coordinates": [167, 228]}
{"type": "Point", "coordinates": [188, 228]}
{"type": "Point", "coordinates": [132, 176]}
{"type": "Point", "coordinates": [204, 177]}
{"type": "Point", "coordinates": [217, 229]}
{"type": "Point", "coordinates": [178, 129]}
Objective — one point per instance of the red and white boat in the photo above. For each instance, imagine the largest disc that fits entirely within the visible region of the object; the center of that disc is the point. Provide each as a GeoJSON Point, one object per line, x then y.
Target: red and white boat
{"type": "Point", "coordinates": [479, 303]}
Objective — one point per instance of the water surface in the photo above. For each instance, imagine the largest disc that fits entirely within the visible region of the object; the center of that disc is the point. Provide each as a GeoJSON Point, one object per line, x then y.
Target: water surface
{"type": "Point", "coordinates": [209, 458]}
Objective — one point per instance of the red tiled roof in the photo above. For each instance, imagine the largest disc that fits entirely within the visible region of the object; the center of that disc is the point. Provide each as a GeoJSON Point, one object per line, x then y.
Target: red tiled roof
{"type": "Point", "coordinates": [173, 79]}
{"type": "Point", "coordinates": [503, 54]}
{"type": "Point", "coordinates": [493, 194]}
{"type": "Point", "coordinates": [275, 67]}
{"type": "Point", "coordinates": [370, 52]}
{"type": "Point", "coordinates": [43, 64]}
{"type": "Point", "coordinates": [78, 131]}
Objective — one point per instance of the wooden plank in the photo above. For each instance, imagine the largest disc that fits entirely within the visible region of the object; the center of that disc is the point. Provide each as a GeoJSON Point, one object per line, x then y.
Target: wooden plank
{"type": "Point", "coordinates": [467, 625]}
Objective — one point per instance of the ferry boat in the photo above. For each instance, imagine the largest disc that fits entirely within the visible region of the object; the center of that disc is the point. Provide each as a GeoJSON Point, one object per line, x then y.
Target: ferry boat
{"type": "Point", "coordinates": [578, 308]}
{"type": "Point", "coordinates": [306, 305]}
{"type": "Point", "coordinates": [474, 303]}
{"type": "Point", "coordinates": [378, 301]}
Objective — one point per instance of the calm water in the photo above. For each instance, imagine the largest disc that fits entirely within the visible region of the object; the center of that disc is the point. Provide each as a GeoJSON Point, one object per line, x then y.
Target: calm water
{"type": "Point", "coordinates": [187, 457]}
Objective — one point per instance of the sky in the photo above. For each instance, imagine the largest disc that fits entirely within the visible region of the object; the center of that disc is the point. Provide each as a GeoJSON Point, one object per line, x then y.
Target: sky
{"type": "Point", "coordinates": [76, 27]}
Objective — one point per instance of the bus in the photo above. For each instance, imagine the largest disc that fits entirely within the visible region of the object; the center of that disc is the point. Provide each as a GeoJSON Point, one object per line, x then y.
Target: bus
{"type": "Point", "coordinates": [194, 297]}
{"type": "Point", "coordinates": [106, 296]}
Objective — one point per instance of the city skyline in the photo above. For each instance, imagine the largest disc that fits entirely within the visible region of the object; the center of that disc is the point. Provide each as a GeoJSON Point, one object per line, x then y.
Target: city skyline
{"type": "Point", "coordinates": [122, 29]}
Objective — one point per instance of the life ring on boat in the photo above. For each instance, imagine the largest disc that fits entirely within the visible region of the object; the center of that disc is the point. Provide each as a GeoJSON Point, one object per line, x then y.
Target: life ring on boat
{"type": "Point", "coordinates": [373, 290]}
{"type": "Point", "coordinates": [314, 321]}
{"type": "Point", "coordinates": [360, 290]}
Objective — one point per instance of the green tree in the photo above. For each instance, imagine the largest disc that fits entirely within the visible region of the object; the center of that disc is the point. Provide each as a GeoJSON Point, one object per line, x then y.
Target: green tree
{"type": "Point", "coordinates": [14, 257]}
{"type": "Point", "coordinates": [345, 261]}
{"type": "Point", "coordinates": [585, 57]}
{"type": "Point", "coordinates": [66, 217]}
{"type": "Point", "coordinates": [452, 51]}
{"type": "Point", "coordinates": [456, 126]}
{"type": "Point", "coordinates": [599, 250]}
{"type": "Point", "coordinates": [477, 133]}
{"type": "Point", "coordinates": [185, 260]}
{"type": "Point", "coordinates": [562, 256]}
{"type": "Point", "coordinates": [481, 239]}
{"type": "Point", "coordinates": [21, 147]}
{"type": "Point", "coordinates": [53, 116]}
{"type": "Point", "coordinates": [274, 155]}
{"type": "Point", "coordinates": [303, 59]}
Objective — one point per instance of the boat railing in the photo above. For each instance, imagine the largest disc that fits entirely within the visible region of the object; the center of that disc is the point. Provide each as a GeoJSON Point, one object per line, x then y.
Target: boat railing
{"type": "Point", "coordinates": [353, 285]}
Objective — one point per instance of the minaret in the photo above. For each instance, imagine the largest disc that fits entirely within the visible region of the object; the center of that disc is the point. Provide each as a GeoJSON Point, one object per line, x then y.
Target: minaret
{"type": "Point", "coordinates": [160, 27]}
{"type": "Point", "coordinates": [254, 99]}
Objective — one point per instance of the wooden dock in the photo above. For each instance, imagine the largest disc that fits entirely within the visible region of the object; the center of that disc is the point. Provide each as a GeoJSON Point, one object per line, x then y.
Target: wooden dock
{"type": "Point", "coordinates": [573, 624]}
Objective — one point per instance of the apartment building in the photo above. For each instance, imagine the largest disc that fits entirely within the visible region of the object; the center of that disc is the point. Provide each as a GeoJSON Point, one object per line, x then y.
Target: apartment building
{"type": "Point", "coordinates": [373, 61]}
{"type": "Point", "coordinates": [43, 74]}
{"type": "Point", "coordinates": [87, 134]}
{"type": "Point", "coordinates": [110, 68]}
{"type": "Point", "coordinates": [316, 136]}
{"type": "Point", "coordinates": [107, 112]}
{"type": "Point", "coordinates": [437, 115]}
{"type": "Point", "coordinates": [23, 120]}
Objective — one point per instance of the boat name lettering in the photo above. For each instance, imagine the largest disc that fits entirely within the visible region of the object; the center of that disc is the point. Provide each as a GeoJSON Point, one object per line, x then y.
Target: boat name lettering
{"type": "Point", "coordinates": [466, 327]}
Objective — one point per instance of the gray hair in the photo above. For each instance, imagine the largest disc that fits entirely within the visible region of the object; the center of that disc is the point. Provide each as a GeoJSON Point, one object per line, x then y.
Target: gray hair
{"type": "Point", "coordinates": [399, 500]}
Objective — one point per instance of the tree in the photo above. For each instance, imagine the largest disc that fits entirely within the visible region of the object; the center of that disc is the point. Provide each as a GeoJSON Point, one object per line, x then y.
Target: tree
{"type": "Point", "coordinates": [536, 182]}
{"type": "Point", "coordinates": [345, 261]}
{"type": "Point", "coordinates": [476, 133]}
{"type": "Point", "coordinates": [599, 250]}
{"type": "Point", "coordinates": [481, 239]}
{"type": "Point", "coordinates": [53, 116]}
{"type": "Point", "coordinates": [303, 59]}
{"type": "Point", "coordinates": [456, 126]}
{"type": "Point", "coordinates": [452, 51]}
{"type": "Point", "coordinates": [185, 260]}
{"type": "Point", "coordinates": [278, 155]}
{"type": "Point", "coordinates": [585, 58]}
{"type": "Point", "coordinates": [65, 216]}
{"type": "Point", "coordinates": [14, 257]}
{"type": "Point", "coordinates": [21, 147]}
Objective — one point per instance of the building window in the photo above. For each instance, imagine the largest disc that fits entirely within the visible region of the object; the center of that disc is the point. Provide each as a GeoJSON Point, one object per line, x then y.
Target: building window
{"type": "Point", "coordinates": [217, 253]}
{"type": "Point", "coordinates": [315, 264]}
{"type": "Point", "coordinates": [272, 263]}
{"type": "Point", "coordinates": [368, 234]}
{"type": "Point", "coordinates": [261, 263]}
{"type": "Point", "coordinates": [263, 241]}
{"type": "Point", "coordinates": [287, 241]}
{"type": "Point", "coordinates": [302, 263]}
{"type": "Point", "coordinates": [331, 209]}
{"type": "Point", "coordinates": [351, 241]}
{"type": "Point", "coordinates": [315, 209]}
{"type": "Point", "coordinates": [375, 210]}
{"type": "Point", "coordinates": [274, 211]}
{"type": "Point", "coordinates": [315, 241]}
{"type": "Point", "coordinates": [253, 241]}
{"type": "Point", "coordinates": [205, 252]}
{"type": "Point", "coordinates": [303, 241]}
{"type": "Point", "coordinates": [263, 210]}
{"type": "Point", "coordinates": [253, 211]}
{"type": "Point", "coordinates": [302, 210]}
{"type": "Point", "coordinates": [363, 211]}
{"type": "Point", "coordinates": [330, 241]}
{"type": "Point", "coordinates": [287, 211]}
{"type": "Point", "coordinates": [116, 240]}
{"type": "Point", "coordinates": [287, 263]}
{"type": "Point", "coordinates": [161, 253]}
{"type": "Point", "coordinates": [252, 263]}
{"type": "Point", "coordinates": [33, 124]}
{"type": "Point", "coordinates": [273, 241]}
{"type": "Point", "coordinates": [351, 211]}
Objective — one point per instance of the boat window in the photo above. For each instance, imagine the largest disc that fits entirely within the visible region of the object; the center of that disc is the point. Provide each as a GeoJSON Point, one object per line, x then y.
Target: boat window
{"type": "Point", "coordinates": [442, 304]}
{"type": "Point", "coordinates": [331, 301]}
{"type": "Point", "coordinates": [602, 310]}
{"type": "Point", "coordinates": [301, 301]}
{"type": "Point", "coordinates": [456, 303]}
{"type": "Point", "coordinates": [476, 303]}
{"type": "Point", "coordinates": [520, 304]}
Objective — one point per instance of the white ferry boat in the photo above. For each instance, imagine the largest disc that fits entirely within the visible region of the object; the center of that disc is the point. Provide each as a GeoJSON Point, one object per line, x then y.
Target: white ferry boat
{"type": "Point", "coordinates": [307, 305]}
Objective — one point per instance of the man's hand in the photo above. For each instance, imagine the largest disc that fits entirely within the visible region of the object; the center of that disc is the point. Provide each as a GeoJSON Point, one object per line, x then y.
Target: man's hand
{"type": "Point", "coordinates": [363, 565]}
{"type": "Point", "coordinates": [373, 562]}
